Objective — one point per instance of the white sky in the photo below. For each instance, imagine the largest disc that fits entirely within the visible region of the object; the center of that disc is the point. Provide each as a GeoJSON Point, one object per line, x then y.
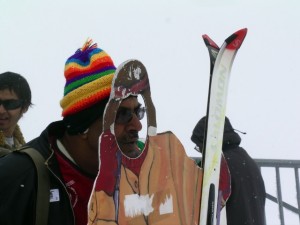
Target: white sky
{"type": "Point", "coordinates": [36, 38]}
{"type": "Point", "coordinates": [263, 99]}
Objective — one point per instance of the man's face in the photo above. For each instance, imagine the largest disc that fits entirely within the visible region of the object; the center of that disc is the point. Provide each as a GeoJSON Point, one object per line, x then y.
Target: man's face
{"type": "Point", "coordinates": [94, 133]}
{"type": "Point", "coordinates": [10, 111]}
{"type": "Point", "coordinates": [128, 125]}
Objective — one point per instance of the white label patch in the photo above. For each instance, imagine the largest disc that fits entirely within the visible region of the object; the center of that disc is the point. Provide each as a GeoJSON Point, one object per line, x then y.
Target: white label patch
{"type": "Point", "coordinates": [136, 205]}
{"type": "Point", "coordinates": [151, 131]}
{"type": "Point", "coordinates": [167, 206]}
{"type": "Point", "coordinates": [54, 195]}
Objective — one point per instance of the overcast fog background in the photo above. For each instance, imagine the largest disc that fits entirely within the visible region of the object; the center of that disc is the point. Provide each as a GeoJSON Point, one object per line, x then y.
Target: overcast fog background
{"type": "Point", "coordinates": [263, 98]}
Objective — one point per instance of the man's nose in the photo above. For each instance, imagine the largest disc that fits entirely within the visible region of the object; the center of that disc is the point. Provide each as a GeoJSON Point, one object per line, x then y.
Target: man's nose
{"type": "Point", "coordinates": [136, 123]}
{"type": "Point", "coordinates": [2, 109]}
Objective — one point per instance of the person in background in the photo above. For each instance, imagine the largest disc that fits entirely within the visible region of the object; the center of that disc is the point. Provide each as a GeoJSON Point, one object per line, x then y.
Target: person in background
{"type": "Point", "coordinates": [246, 204]}
{"type": "Point", "coordinates": [69, 146]}
{"type": "Point", "coordinates": [15, 99]}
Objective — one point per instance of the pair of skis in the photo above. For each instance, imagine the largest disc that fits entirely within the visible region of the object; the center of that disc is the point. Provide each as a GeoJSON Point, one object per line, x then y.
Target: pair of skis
{"type": "Point", "coordinates": [221, 60]}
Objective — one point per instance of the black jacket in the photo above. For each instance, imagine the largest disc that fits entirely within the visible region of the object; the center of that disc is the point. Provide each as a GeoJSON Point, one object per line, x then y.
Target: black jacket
{"type": "Point", "coordinates": [246, 205]}
{"type": "Point", "coordinates": [18, 184]}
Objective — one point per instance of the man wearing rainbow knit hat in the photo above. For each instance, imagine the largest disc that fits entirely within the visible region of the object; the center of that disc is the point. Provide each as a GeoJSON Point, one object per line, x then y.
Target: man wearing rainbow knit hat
{"type": "Point", "coordinates": [69, 147]}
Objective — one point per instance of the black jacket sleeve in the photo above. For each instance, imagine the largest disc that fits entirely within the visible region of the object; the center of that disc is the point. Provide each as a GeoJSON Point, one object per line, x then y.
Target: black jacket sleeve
{"type": "Point", "coordinates": [17, 189]}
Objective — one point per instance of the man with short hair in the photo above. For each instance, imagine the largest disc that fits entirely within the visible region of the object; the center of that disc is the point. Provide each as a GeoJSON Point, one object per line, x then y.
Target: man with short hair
{"type": "Point", "coordinates": [69, 146]}
{"type": "Point", "coordinates": [15, 99]}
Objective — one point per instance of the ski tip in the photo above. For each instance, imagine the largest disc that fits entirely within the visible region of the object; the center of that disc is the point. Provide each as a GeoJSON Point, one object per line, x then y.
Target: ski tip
{"type": "Point", "coordinates": [209, 42]}
{"type": "Point", "coordinates": [236, 39]}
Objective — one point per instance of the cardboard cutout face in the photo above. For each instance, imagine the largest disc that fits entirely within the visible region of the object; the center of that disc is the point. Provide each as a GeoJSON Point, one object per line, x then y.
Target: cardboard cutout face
{"type": "Point", "coordinates": [160, 185]}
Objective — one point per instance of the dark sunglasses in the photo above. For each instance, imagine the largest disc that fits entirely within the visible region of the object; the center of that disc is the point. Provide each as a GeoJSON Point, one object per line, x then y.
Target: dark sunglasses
{"type": "Point", "coordinates": [125, 115]}
{"type": "Point", "coordinates": [11, 103]}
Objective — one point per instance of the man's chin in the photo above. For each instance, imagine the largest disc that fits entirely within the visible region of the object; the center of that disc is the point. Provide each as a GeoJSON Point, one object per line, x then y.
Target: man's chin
{"type": "Point", "coordinates": [130, 149]}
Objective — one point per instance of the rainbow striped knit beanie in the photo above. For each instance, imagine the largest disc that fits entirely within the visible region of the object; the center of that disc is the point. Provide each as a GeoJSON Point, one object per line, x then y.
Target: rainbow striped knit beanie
{"type": "Point", "coordinates": [89, 73]}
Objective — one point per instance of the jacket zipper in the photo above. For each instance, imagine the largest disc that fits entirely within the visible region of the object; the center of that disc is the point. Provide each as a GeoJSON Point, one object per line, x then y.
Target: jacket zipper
{"type": "Point", "coordinates": [63, 185]}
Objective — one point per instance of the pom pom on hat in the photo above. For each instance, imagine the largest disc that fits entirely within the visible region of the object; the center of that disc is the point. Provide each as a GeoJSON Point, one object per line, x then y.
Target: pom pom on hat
{"type": "Point", "coordinates": [89, 73]}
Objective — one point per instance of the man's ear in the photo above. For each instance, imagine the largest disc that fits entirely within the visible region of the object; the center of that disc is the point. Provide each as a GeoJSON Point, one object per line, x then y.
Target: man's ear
{"type": "Point", "coordinates": [24, 110]}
